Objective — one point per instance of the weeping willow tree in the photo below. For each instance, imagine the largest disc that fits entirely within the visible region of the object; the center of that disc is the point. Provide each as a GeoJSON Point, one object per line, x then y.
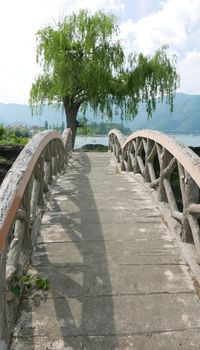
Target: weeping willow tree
{"type": "Point", "coordinates": [84, 66]}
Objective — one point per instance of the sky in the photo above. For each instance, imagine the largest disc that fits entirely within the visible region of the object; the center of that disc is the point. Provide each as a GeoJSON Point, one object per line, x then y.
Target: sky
{"type": "Point", "coordinates": [145, 25]}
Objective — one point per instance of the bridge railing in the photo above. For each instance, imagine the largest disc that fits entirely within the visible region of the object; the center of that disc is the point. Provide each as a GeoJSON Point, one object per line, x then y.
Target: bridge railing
{"type": "Point", "coordinates": [170, 167]}
{"type": "Point", "coordinates": [22, 195]}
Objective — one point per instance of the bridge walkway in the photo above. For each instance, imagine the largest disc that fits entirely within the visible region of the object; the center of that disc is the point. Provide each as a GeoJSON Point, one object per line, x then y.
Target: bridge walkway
{"type": "Point", "coordinates": [117, 278]}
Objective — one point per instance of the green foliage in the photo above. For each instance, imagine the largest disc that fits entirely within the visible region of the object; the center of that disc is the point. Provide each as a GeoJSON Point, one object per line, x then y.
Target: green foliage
{"type": "Point", "coordinates": [28, 281]}
{"type": "Point", "coordinates": [21, 132]}
{"type": "Point", "coordinates": [10, 136]}
{"type": "Point", "coordinates": [84, 66]}
{"type": "Point", "coordinates": [77, 58]}
{"type": "Point", "coordinates": [57, 127]}
{"type": "Point", "coordinates": [42, 283]}
{"type": "Point", "coordinates": [85, 128]}
{"type": "Point", "coordinates": [62, 126]}
{"type": "Point", "coordinates": [101, 128]}
{"type": "Point", "coordinates": [150, 79]}
{"type": "Point", "coordinates": [46, 125]}
{"type": "Point", "coordinates": [2, 131]}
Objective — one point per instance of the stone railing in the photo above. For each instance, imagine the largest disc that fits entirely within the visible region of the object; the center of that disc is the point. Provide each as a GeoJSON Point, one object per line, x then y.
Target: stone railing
{"type": "Point", "coordinates": [171, 168]}
{"type": "Point", "coordinates": [22, 198]}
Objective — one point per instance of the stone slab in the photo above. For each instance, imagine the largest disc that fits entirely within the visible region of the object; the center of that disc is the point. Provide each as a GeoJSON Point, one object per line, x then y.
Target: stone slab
{"type": "Point", "coordinates": [123, 315]}
{"type": "Point", "coordinates": [107, 252]}
{"type": "Point", "coordinates": [115, 280]}
{"type": "Point", "coordinates": [91, 231]}
{"type": "Point", "coordinates": [60, 203]}
{"type": "Point", "coordinates": [184, 340]}
{"type": "Point", "coordinates": [101, 216]}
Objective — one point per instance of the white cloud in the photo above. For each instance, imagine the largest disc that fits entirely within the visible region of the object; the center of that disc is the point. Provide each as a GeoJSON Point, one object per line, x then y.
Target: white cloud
{"type": "Point", "coordinates": [177, 25]}
{"type": "Point", "coordinates": [189, 69]}
{"type": "Point", "coordinates": [94, 5]}
{"type": "Point", "coordinates": [171, 25]}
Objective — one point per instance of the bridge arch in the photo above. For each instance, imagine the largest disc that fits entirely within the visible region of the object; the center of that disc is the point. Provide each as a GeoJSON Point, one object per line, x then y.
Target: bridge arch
{"type": "Point", "coordinates": [170, 167]}
{"type": "Point", "coordinates": [22, 195]}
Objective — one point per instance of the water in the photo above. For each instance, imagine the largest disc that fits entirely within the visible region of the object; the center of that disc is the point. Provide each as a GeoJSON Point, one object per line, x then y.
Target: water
{"type": "Point", "coordinates": [186, 139]}
{"type": "Point", "coordinates": [84, 140]}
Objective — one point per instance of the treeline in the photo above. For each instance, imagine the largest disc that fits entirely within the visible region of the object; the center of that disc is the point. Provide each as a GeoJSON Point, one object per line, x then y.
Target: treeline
{"type": "Point", "coordinates": [14, 135]}
{"type": "Point", "coordinates": [17, 135]}
{"type": "Point", "coordinates": [57, 127]}
{"type": "Point", "coordinates": [101, 128]}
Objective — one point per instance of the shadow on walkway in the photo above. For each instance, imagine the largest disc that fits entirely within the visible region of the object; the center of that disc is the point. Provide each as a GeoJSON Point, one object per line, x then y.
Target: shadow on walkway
{"type": "Point", "coordinates": [81, 289]}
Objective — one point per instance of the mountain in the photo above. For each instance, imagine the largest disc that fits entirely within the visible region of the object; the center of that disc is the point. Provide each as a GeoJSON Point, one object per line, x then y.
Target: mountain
{"type": "Point", "coordinates": [185, 116]}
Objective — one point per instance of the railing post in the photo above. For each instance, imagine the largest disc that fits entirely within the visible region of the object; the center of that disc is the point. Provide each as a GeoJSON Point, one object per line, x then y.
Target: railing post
{"type": "Point", "coordinates": [117, 151]}
{"type": "Point", "coordinates": [190, 194]}
{"type": "Point", "coordinates": [146, 173]}
{"type": "Point", "coordinates": [136, 168]}
{"type": "Point", "coordinates": [3, 303]}
{"type": "Point", "coordinates": [41, 180]}
{"type": "Point", "coordinates": [110, 143]}
{"type": "Point", "coordinates": [164, 159]}
{"type": "Point", "coordinates": [59, 159]}
{"type": "Point", "coordinates": [54, 161]}
{"type": "Point", "coordinates": [28, 222]}
{"type": "Point", "coordinates": [15, 248]}
{"type": "Point", "coordinates": [130, 151]}
{"type": "Point", "coordinates": [48, 168]}
{"type": "Point", "coordinates": [37, 195]}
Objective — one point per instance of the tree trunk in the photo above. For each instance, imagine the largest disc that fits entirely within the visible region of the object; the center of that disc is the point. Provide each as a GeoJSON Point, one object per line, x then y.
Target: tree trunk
{"type": "Point", "coordinates": [71, 113]}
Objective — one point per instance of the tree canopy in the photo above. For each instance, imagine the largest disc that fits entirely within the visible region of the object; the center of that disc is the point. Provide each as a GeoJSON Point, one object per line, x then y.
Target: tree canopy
{"type": "Point", "coordinates": [84, 65]}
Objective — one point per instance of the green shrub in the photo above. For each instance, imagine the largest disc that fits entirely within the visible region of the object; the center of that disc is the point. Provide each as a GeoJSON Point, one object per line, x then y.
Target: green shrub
{"type": "Point", "coordinates": [10, 136]}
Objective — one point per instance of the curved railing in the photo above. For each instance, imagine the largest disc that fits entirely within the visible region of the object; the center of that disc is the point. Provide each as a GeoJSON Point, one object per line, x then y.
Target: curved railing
{"type": "Point", "coordinates": [170, 167]}
{"type": "Point", "coordinates": [22, 195]}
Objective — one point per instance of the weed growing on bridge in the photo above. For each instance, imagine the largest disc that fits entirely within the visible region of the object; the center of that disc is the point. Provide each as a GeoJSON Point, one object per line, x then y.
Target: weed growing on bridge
{"type": "Point", "coordinates": [19, 283]}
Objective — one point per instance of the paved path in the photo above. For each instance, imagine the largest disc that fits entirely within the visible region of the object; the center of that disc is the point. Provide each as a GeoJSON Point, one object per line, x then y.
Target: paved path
{"type": "Point", "coordinates": [117, 279]}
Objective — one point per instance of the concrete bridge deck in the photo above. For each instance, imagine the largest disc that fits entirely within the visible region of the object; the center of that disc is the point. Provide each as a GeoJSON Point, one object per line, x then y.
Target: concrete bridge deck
{"type": "Point", "coordinates": [117, 278]}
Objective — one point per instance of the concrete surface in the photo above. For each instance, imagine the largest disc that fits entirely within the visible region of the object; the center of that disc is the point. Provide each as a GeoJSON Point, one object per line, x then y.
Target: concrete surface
{"type": "Point", "coordinates": [117, 276]}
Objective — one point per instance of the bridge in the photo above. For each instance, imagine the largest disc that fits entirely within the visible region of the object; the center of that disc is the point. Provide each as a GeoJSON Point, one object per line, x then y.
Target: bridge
{"type": "Point", "coordinates": [114, 235]}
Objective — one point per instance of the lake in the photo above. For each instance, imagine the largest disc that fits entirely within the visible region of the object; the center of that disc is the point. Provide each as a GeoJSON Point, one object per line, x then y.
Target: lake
{"type": "Point", "coordinates": [187, 139]}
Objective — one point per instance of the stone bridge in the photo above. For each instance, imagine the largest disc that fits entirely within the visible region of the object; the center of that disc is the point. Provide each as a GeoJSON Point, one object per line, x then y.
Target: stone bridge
{"type": "Point", "coordinates": [115, 236]}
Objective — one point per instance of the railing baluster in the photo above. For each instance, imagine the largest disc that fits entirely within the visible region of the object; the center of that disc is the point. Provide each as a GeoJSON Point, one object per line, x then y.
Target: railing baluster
{"type": "Point", "coordinates": [148, 174]}
{"type": "Point", "coordinates": [170, 195]}
{"type": "Point", "coordinates": [130, 162]}
{"type": "Point", "coordinates": [54, 161]}
{"type": "Point", "coordinates": [48, 167]}
{"type": "Point", "coordinates": [15, 246]}
{"type": "Point", "coordinates": [164, 160]}
{"type": "Point", "coordinates": [35, 191]}
{"type": "Point", "coordinates": [190, 194]}
{"type": "Point", "coordinates": [136, 168]}
{"type": "Point", "coordinates": [4, 327]}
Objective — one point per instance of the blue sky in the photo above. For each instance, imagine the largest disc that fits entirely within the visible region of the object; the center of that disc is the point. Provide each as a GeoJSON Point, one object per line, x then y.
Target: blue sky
{"type": "Point", "coordinates": [145, 25]}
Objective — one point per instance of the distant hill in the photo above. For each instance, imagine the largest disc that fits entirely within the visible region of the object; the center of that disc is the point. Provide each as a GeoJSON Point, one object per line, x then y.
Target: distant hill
{"type": "Point", "coordinates": [185, 117]}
